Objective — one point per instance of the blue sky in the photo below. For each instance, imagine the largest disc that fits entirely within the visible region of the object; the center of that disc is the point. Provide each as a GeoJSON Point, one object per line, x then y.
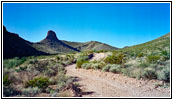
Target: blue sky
{"type": "Point", "coordinates": [117, 24]}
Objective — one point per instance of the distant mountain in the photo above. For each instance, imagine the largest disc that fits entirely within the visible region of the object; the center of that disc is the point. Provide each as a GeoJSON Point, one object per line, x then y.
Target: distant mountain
{"type": "Point", "coordinates": [13, 46]}
{"type": "Point", "coordinates": [91, 45]}
{"type": "Point", "coordinates": [52, 45]}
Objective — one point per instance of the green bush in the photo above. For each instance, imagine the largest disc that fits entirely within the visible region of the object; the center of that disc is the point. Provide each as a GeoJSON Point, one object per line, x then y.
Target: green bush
{"type": "Point", "coordinates": [21, 68]}
{"type": "Point", "coordinates": [41, 66]}
{"type": "Point", "coordinates": [63, 81]}
{"type": "Point", "coordinates": [114, 68]}
{"type": "Point", "coordinates": [144, 65]}
{"type": "Point", "coordinates": [115, 59]}
{"type": "Point", "coordinates": [140, 55]}
{"type": "Point", "coordinates": [125, 71]}
{"type": "Point", "coordinates": [96, 66]}
{"type": "Point", "coordinates": [33, 61]}
{"type": "Point", "coordinates": [39, 82]}
{"type": "Point", "coordinates": [58, 58]}
{"type": "Point", "coordinates": [164, 74]}
{"type": "Point", "coordinates": [11, 63]}
{"type": "Point", "coordinates": [149, 73]}
{"type": "Point", "coordinates": [86, 66]}
{"type": "Point", "coordinates": [136, 73]}
{"type": "Point", "coordinates": [106, 68]}
{"type": "Point", "coordinates": [153, 58]}
{"type": "Point", "coordinates": [81, 60]}
{"type": "Point", "coordinates": [6, 81]}
{"type": "Point", "coordinates": [165, 55]}
{"type": "Point", "coordinates": [30, 92]}
{"type": "Point", "coordinates": [50, 72]}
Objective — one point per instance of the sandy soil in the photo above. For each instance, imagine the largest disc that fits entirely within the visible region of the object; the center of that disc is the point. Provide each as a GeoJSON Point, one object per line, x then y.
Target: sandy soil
{"type": "Point", "coordinates": [95, 83]}
{"type": "Point", "coordinates": [98, 56]}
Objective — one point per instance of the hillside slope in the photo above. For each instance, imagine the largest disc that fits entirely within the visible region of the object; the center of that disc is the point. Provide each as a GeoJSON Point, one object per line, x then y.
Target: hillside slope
{"type": "Point", "coordinates": [15, 46]}
{"type": "Point", "coordinates": [91, 45]}
{"type": "Point", "coordinates": [162, 42]}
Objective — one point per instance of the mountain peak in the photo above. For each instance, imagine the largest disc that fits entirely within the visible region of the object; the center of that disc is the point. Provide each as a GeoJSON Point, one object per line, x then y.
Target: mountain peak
{"type": "Point", "coordinates": [51, 35]}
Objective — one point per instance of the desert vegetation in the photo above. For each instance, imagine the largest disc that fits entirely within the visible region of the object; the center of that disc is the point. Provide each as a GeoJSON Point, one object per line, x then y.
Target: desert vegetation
{"type": "Point", "coordinates": [33, 76]}
{"type": "Point", "coordinates": [150, 60]}
{"type": "Point", "coordinates": [45, 75]}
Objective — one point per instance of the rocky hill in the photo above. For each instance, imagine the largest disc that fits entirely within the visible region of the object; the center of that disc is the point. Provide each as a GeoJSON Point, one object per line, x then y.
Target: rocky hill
{"type": "Point", "coordinates": [52, 45]}
{"type": "Point", "coordinates": [13, 46]}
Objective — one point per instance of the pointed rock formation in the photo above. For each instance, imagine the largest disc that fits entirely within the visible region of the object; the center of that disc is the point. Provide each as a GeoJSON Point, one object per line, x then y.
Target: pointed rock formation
{"type": "Point", "coordinates": [51, 44]}
{"type": "Point", "coordinates": [51, 35]}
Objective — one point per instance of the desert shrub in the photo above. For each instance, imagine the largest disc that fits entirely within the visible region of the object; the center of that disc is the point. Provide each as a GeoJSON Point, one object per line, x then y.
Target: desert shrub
{"type": "Point", "coordinates": [114, 68]}
{"type": "Point", "coordinates": [81, 60]}
{"type": "Point", "coordinates": [54, 94]}
{"type": "Point", "coordinates": [165, 55]}
{"type": "Point", "coordinates": [109, 59]}
{"type": "Point", "coordinates": [84, 66]}
{"type": "Point", "coordinates": [21, 68]}
{"type": "Point", "coordinates": [106, 68]}
{"type": "Point", "coordinates": [58, 58]}
{"type": "Point", "coordinates": [31, 91]}
{"type": "Point", "coordinates": [39, 82]}
{"type": "Point", "coordinates": [33, 61]}
{"type": "Point", "coordinates": [125, 71]}
{"type": "Point", "coordinates": [101, 51]}
{"type": "Point", "coordinates": [11, 63]}
{"type": "Point", "coordinates": [136, 73]}
{"type": "Point", "coordinates": [87, 65]}
{"type": "Point", "coordinates": [96, 66]}
{"type": "Point", "coordinates": [10, 91]}
{"type": "Point", "coordinates": [67, 62]}
{"type": "Point", "coordinates": [140, 55]}
{"type": "Point", "coordinates": [164, 74]}
{"type": "Point", "coordinates": [115, 59]}
{"type": "Point", "coordinates": [41, 66]}
{"type": "Point", "coordinates": [63, 81]}
{"type": "Point", "coordinates": [50, 72]}
{"type": "Point", "coordinates": [153, 58]}
{"type": "Point", "coordinates": [149, 73]}
{"type": "Point", "coordinates": [102, 64]}
{"type": "Point", "coordinates": [93, 65]}
{"type": "Point", "coordinates": [6, 80]}
{"type": "Point", "coordinates": [68, 59]}
{"type": "Point", "coordinates": [144, 64]}
{"type": "Point", "coordinates": [132, 54]}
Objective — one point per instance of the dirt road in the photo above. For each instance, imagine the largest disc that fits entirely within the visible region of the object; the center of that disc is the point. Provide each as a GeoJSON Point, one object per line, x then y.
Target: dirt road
{"type": "Point", "coordinates": [95, 83]}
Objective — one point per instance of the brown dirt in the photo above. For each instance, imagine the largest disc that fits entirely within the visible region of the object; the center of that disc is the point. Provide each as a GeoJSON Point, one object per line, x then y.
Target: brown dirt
{"type": "Point", "coordinates": [95, 83]}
